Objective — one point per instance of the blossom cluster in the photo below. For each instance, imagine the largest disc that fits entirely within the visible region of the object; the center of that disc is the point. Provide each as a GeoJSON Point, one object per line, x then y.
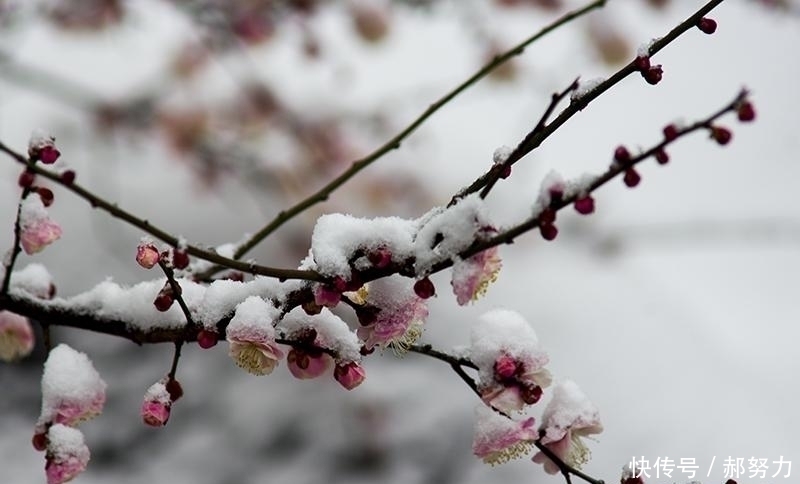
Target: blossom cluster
{"type": "Point", "coordinates": [512, 377]}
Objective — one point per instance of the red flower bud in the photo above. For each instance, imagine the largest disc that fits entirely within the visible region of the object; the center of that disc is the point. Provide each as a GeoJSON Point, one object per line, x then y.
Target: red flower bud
{"type": "Point", "coordinates": [707, 25]}
{"type": "Point", "coordinates": [670, 132]}
{"type": "Point", "coordinates": [46, 195]}
{"type": "Point", "coordinates": [653, 75]}
{"type": "Point", "coordinates": [721, 135]}
{"type": "Point", "coordinates": [548, 231]}
{"type": "Point", "coordinates": [26, 179]}
{"type": "Point", "coordinates": [622, 155]}
{"type": "Point", "coordinates": [207, 339]}
{"type": "Point", "coordinates": [662, 157]}
{"type": "Point", "coordinates": [745, 112]}
{"type": "Point", "coordinates": [631, 178]}
{"type": "Point", "coordinates": [585, 205]}
{"type": "Point", "coordinates": [424, 288]}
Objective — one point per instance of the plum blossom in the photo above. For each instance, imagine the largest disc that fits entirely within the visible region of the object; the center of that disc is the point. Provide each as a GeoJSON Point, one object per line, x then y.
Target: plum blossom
{"type": "Point", "coordinates": [156, 405]}
{"type": "Point", "coordinates": [568, 418]}
{"type": "Point", "coordinates": [305, 364]}
{"type": "Point", "coordinates": [37, 230]}
{"type": "Point", "coordinates": [16, 336]}
{"type": "Point", "coordinates": [397, 314]}
{"type": "Point", "coordinates": [67, 454]}
{"type": "Point", "coordinates": [252, 337]}
{"type": "Point", "coordinates": [147, 255]}
{"type": "Point", "coordinates": [472, 276]}
{"type": "Point", "coordinates": [511, 365]}
{"type": "Point", "coordinates": [349, 375]}
{"type": "Point", "coordinates": [72, 390]}
{"type": "Point", "coordinates": [499, 439]}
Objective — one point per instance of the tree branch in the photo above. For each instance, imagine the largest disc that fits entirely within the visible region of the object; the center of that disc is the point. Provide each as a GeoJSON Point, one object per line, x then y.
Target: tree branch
{"type": "Point", "coordinates": [115, 211]}
{"type": "Point", "coordinates": [535, 139]}
{"type": "Point", "coordinates": [322, 194]}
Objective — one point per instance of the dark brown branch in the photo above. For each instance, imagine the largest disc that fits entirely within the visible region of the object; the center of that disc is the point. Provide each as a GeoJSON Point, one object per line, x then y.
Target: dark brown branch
{"type": "Point", "coordinates": [500, 168]}
{"type": "Point", "coordinates": [536, 139]}
{"type": "Point", "coordinates": [17, 248]}
{"type": "Point", "coordinates": [428, 350]}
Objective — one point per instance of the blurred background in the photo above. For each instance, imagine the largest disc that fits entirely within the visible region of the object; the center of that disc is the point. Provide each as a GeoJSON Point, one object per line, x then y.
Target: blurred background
{"type": "Point", "coordinates": [675, 307]}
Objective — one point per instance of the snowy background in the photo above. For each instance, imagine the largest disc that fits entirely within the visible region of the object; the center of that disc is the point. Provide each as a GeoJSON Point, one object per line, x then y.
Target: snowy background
{"type": "Point", "coordinates": [674, 307]}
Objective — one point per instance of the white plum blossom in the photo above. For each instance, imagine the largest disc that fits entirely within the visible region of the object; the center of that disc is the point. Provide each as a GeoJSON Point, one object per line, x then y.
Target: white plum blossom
{"type": "Point", "coordinates": [252, 337]}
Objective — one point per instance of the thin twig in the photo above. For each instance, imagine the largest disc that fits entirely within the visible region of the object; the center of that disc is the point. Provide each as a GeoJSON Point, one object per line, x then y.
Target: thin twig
{"type": "Point", "coordinates": [17, 248]}
{"type": "Point", "coordinates": [176, 356]}
{"type": "Point", "coordinates": [177, 292]}
{"type": "Point", "coordinates": [519, 151]}
{"type": "Point", "coordinates": [577, 105]}
{"type": "Point", "coordinates": [114, 210]}
{"type": "Point", "coordinates": [428, 350]}
{"type": "Point", "coordinates": [322, 194]}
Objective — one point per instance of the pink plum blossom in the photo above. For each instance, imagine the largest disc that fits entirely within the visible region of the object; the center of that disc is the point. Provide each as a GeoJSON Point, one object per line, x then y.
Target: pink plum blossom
{"type": "Point", "coordinates": [67, 454]}
{"type": "Point", "coordinates": [72, 390]}
{"type": "Point", "coordinates": [349, 375]}
{"type": "Point", "coordinates": [304, 364]}
{"type": "Point", "coordinates": [252, 337]}
{"type": "Point", "coordinates": [327, 296]}
{"type": "Point", "coordinates": [568, 418]}
{"type": "Point", "coordinates": [147, 255]}
{"type": "Point", "coordinates": [37, 230]}
{"type": "Point", "coordinates": [399, 317]}
{"type": "Point", "coordinates": [157, 404]}
{"type": "Point", "coordinates": [499, 439]}
{"type": "Point", "coordinates": [16, 336]}
{"type": "Point", "coordinates": [472, 276]}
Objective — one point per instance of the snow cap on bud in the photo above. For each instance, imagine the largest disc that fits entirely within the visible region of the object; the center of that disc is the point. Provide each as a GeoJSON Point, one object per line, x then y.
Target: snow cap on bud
{"type": "Point", "coordinates": [252, 337]}
{"type": "Point", "coordinates": [156, 405]}
{"type": "Point", "coordinates": [72, 390]}
{"type": "Point", "coordinates": [42, 147]}
{"type": "Point", "coordinates": [37, 230]}
{"type": "Point", "coordinates": [16, 336]}
{"type": "Point", "coordinates": [67, 454]}
{"type": "Point", "coordinates": [349, 375]}
{"type": "Point", "coordinates": [147, 255]}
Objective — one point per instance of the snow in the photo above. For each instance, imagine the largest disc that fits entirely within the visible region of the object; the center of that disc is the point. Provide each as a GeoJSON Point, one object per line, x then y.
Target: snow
{"type": "Point", "coordinates": [585, 87]}
{"type": "Point", "coordinates": [69, 378]}
{"type": "Point", "coordinates": [456, 226]}
{"type": "Point", "coordinates": [501, 154]}
{"type": "Point", "coordinates": [502, 331]}
{"type": "Point", "coordinates": [332, 332]}
{"type": "Point", "coordinates": [39, 139]}
{"type": "Point", "coordinates": [569, 407]}
{"type": "Point", "coordinates": [254, 316]}
{"type": "Point", "coordinates": [34, 279]}
{"type": "Point", "coordinates": [64, 442]}
{"type": "Point", "coordinates": [32, 210]}
{"type": "Point", "coordinates": [157, 392]}
{"type": "Point", "coordinates": [337, 237]}
{"type": "Point", "coordinates": [644, 49]}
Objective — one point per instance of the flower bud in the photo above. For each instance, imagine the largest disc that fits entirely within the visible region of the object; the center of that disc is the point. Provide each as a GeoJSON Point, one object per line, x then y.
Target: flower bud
{"type": "Point", "coordinates": [147, 255]}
